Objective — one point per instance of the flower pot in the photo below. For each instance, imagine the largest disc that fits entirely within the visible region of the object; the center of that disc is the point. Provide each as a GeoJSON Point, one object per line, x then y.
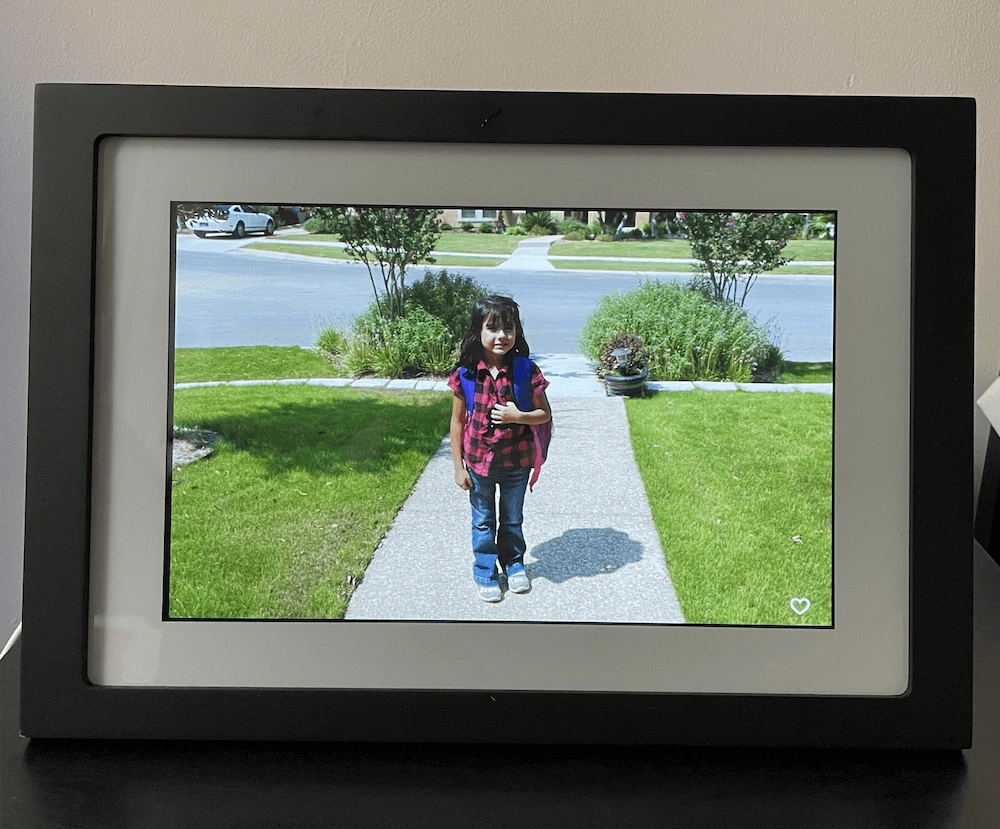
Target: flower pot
{"type": "Point", "coordinates": [631, 386]}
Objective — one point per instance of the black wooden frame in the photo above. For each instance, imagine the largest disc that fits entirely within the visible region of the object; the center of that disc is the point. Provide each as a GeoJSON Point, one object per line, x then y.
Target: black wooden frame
{"type": "Point", "coordinates": [71, 120]}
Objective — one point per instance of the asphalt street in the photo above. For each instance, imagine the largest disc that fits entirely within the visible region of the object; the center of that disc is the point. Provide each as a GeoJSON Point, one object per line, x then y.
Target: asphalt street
{"type": "Point", "coordinates": [227, 296]}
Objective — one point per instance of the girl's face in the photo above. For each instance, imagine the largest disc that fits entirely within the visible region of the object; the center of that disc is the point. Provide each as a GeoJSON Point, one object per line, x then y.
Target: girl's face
{"type": "Point", "coordinates": [497, 338]}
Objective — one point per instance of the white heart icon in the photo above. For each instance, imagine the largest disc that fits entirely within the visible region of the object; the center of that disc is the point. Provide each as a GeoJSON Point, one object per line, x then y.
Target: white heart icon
{"type": "Point", "coordinates": [800, 606]}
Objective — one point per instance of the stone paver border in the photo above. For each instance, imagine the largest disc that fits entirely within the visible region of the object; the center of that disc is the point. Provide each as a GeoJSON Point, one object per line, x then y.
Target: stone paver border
{"type": "Point", "coordinates": [442, 385]}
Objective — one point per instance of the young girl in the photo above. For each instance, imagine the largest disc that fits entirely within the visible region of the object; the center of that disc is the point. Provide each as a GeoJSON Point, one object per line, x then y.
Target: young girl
{"type": "Point", "coordinates": [494, 445]}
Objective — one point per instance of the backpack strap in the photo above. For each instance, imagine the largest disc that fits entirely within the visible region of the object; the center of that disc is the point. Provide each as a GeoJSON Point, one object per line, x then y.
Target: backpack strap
{"type": "Point", "coordinates": [522, 383]}
{"type": "Point", "coordinates": [467, 377]}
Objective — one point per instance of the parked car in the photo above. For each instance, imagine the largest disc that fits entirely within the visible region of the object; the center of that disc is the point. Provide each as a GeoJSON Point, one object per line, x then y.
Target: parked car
{"type": "Point", "coordinates": [235, 219]}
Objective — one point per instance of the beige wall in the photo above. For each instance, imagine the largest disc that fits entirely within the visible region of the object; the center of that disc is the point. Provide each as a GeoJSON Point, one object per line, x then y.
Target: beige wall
{"type": "Point", "coordinates": [853, 47]}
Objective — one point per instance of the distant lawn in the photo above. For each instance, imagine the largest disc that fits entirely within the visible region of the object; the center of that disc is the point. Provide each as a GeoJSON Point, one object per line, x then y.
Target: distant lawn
{"type": "Point", "coordinates": [456, 242]}
{"type": "Point", "coordinates": [450, 242]}
{"type": "Point", "coordinates": [258, 362]}
{"type": "Point", "coordinates": [802, 249]}
{"type": "Point", "coordinates": [340, 253]}
{"type": "Point", "coordinates": [740, 490]}
{"type": "Point", "coordinates": [282, 519]}
{"type": "Point", "coordinates": [468, 261]}
{"type": "Point", "coordinates": [676, 267]}
{"type": "Point", "coordinates": [806, 373]}
{"type": "Point", "coordinates": [299, 249]}
{"type": "Point", "coordinates": [654, 248]}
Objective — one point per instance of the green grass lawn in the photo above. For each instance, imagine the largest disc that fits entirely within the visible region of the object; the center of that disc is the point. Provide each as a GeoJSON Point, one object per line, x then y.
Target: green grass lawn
{"type": "Point", "coordinates": [340, 253]}
{"type": "Point", "coordinates": [806, 373]}
{"type": "Point", "coordinates": [450, 242]}
{"type": "Point", "coordinates": [801, 249]}
{"type": "Point", "coordinates": [259, 362]}
{"type": "Point", "coordinates": [740, 489]}
{"type": "Point", "coordinates": [676, 267]}
{"type": "Point", "coordinates": [477, 242]}
{"type": "Point", "coordinates": [282, 519]}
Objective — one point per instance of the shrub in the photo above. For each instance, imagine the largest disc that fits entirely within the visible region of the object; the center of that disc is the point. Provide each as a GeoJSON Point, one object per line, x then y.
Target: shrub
{"type": "Point", "coordinates": [540, 219]}
{"type": "Point", "coordinates": [317, 224]}
{"type": "Point", "coordinates": [388, 360]}
{"type": "Point", "coordinates": [595, 229]}
{"type": "Point", "coordinates": [448, 297]}
{"type": "Point", "coordinates": [466, 226]}
{"type": "Point", "coordinates": [688, 336]}
{"type": "Point", "coordinates": [570, 225]}
{"type": "Point", "coordinates": [359, 356]}
{"type": "Point", "coordinates": [635, 233]}
{"type": "Point", "coordinates": [604, 237]}
{"type": "Point", "coordinates": [485, 227]}
{"type": "Point", "coordinates": [446, 226]}
{"type": "Point", "coordinates": [515, 230]}
{"type": "Point", "coordinates": [646, 229]}
{"type": "Point", "coordinates": [575, 236]}
{"type": "Point", "coordinates": [414, 335]}
{"type": "Point", "coordinates": [332, 341]}
{"type": "Point", "coordinates": [405, 345]}
{"type": "Point", "coordinates": [634, 361]}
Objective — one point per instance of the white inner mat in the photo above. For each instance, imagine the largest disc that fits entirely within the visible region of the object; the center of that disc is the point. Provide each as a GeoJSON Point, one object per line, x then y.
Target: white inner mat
{"type": "Point", "coordinates": [866, 653]}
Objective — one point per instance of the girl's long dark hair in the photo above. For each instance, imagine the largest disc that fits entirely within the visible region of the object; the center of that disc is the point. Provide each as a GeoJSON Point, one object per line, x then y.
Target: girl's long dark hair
{"type": "Point", "coordinates": [495, 307]}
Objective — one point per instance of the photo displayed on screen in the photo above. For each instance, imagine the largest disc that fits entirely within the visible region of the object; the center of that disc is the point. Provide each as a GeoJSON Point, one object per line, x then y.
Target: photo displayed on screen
{"type": "Point", "coordinates": [524, 414]}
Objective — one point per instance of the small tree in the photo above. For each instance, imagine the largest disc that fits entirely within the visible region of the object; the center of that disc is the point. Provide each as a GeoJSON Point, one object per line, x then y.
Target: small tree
{"type": "Point", "coordinates": [389, 239]}
{"type": "Point", "coordinates": [734, 249]}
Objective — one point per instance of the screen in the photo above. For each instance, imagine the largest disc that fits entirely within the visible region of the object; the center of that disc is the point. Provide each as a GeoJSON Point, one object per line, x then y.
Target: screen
{"type": "Point", "coordinates": [501, 414]}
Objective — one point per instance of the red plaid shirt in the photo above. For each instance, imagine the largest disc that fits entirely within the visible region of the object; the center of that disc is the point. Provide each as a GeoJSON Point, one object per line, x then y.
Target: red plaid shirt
{"type": "Point", "coordinates": [487, 447]}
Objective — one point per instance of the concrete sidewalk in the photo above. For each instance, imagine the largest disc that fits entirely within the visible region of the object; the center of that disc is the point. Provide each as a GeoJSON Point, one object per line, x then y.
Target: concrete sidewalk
{"type": "Point", "coordinates": [593, 552]}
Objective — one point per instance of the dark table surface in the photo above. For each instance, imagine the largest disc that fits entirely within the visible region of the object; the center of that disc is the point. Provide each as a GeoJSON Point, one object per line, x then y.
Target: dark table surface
{"type": "Point", "coordinates": [189, 785]}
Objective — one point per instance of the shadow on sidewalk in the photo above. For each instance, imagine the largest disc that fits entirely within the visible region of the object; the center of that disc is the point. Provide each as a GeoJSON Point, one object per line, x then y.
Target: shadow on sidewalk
{"type": "Point", "coordinates": [583, 552]}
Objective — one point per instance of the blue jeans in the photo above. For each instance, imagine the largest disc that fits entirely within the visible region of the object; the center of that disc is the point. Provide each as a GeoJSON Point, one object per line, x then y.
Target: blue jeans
{"type": "Point", "coordinates": [491, 546]}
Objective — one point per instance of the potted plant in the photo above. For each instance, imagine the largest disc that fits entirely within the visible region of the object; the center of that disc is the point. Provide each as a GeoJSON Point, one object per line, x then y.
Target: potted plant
{"type": "Point", "coordinates": [624, 365]}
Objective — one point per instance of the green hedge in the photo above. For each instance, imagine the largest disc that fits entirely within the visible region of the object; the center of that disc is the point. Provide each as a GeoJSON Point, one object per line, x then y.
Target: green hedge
{"type": "Point", "coordinates": [689, 336]}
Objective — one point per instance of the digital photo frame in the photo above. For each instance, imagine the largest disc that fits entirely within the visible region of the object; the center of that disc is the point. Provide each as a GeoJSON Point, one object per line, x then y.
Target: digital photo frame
{"type": "Point", "coordinates": [893, 668]}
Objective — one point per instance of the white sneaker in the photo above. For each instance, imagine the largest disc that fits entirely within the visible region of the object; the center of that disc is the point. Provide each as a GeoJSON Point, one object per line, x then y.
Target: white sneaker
{"type": "Point", "coordinates": [518, 582]}
{"type": "Point", "coordinates": [490, 592]}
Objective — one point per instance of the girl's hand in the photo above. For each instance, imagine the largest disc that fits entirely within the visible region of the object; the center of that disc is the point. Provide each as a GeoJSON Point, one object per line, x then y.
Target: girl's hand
{"type": "Point", "coordinates": [463, 479]}
{"type": "Point", "coordinates": [505, 413]}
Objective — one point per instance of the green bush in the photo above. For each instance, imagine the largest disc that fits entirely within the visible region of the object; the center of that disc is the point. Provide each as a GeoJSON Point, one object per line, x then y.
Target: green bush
{"type": "Point", "coordinates": [688, 335]}
{"type": "Point", "coordinates": [466, 226]}
{"type": "Point", "coordinates": [595, 230]}
{"type": "Point", "coordinates": [604, 237]}
{"type": "Point", "coordinates": [388, 361]}
{"type": "Point", "coordinates": [575, 236]}
{"type": "Point", "coordinates": [317, 225]}
{"type": "Point", "coordinates": [542, 219]}
{"type": "Point", "coordinates": [413, 344]}
{"type": "Point", "coordinates": [485, 227]}
{"type": "Point", "coordinates": [332, 341]}
{"type": "Point", "coordinates": [446, 226]}
{"type": "Point", "coordinates": [359, 356]}
{"type": "Point", "coordinates": [646, 229]}
{"type": "Point", "coordinates": [448, 297]}
{"type": "Point", "coordinates": [570, 225]}
{"type": "Point", "coordinates": [515, 230]}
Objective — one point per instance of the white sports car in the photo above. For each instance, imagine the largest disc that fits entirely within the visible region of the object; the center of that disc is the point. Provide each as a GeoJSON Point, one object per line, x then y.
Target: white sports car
{"type": "Point", "coordinates": [235, 219]}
